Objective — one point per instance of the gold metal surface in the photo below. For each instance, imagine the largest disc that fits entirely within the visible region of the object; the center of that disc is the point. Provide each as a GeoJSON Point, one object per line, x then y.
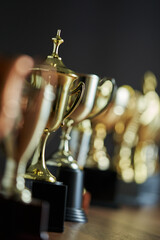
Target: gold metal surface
{"type": "Point", "coordinates": [59, 112]}
{"type": "Point", "coordinates": [56, 61]}
{"type": "Point", "coordinates": [93, 92]}
{"type": "Point", "coordinates": [146, 157]}
{"type": "Point", "coordinates": [105, 92]}
{"type": "Point", "coordinates": [64, 158]}
{"type": "Point", "coordinates": [86, 105]}
{"type": "Point", "coordinates": [104, 123]}
{"type": "Point", "coordinates": [125, 137]}
{"type": "Point", "coordinates": [137, 140]}
{"type": "Point", "coordinates": [97, 156]}
{"type": "Point", "coordinates": [38, 170]}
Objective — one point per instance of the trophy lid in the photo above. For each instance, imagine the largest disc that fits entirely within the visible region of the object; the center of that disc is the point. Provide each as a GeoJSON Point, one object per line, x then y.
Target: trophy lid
{"type": "Point", "coordinates": [54, 59]}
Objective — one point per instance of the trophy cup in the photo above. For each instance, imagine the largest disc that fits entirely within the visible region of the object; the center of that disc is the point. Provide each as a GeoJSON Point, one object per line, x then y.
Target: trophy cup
{"type": "Point", "coordinates": [62, 163]}
{"type": "Point", "coordinates": [139, 128]}
{"type": "Point", "coordinates": [104, 123]}
{"type": "Point", "coordinates": [125, 139]}
{"type": "Point", "coordinates": [145, 157]}
{"type": "Point", "coordinates": [37, 177]}
{"type": "Point", "coordinates": [136, 148]}
{"type": "Point", "coordinates": [90, 150]}
{"type": "Point", "coordinates": [24, 110]}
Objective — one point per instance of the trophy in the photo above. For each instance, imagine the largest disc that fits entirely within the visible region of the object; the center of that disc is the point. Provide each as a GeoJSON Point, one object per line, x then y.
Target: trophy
{"type": "Point", "coordinates": [90, 149]}
{"type": "Point", "coordinates": [24, 112]}
{"type": "Point", "coordinates": [139, 131]}
{"type": "Point", "coordinates": [136, 148]}
{"type": "Point", "coordinates": [145, 157]}
{"type": "Point", "coordinates": [82, 132]}
{"type": "Point", "coordinates": [62, 162]}
{"type": "Point", "coordinates": [104, 123]}
{"type": "Point", "coordinates": [125, 138]}
{"type": "Point", "coordinates": [37, 177]}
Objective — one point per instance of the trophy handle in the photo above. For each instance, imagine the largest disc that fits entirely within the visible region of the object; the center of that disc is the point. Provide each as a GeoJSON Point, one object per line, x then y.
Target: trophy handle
{"type": "Point", "coordinates": [79, 90]}
{"type": "Point", "coordinates": [112, 96]}
{"type": "Point", "coordinates": [114, 89]}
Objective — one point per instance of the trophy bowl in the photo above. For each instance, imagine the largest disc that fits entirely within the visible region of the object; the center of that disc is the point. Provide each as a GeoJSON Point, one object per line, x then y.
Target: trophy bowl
{"type": "Point", "coordinates": [27, 109]}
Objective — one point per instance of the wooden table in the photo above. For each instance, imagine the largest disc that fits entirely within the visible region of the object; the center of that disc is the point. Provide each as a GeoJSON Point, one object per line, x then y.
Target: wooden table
{"type": "Point", "coordinates": [114, 224]}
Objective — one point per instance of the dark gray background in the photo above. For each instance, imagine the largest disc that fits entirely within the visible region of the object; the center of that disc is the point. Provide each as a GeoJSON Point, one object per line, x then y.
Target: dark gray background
{"type": "Point", "coordinates": [117, 38]}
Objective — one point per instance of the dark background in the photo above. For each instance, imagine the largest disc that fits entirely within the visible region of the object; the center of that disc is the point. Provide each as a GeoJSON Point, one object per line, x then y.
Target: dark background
{"type": "Point", "coordinates": [117, 38]}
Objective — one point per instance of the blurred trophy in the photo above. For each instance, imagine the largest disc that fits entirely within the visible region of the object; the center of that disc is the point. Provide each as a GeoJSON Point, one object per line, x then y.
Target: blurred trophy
{"type": "Point", "coordinates": [24, 112]}
{"type": "Point", "coordinates": [125, 138]}
{"type": "Point", "coordinates": [62, 162]}
{"type": "Point", "coordinates": [136, 148]}
{"type": "Point", "coordinates": [146, 157]}
{"type": "Point", "coordinates": [90, 150]}
{"type": "Point", "coordinates": [103, 124]}
{"type": "Point", "coordinates": [37, 176]}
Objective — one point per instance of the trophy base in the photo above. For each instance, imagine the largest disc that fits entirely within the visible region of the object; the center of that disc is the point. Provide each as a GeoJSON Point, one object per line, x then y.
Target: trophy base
{"type": "Point", "coordinates": [75, 215]}
{"type": "Point", "coordinates": [24, 237]}
{"type": "Point", "coordinates": [102, 186]}
{"type": "Point", "coordinates": [21, 221]}
{"type": "Point", "coordinates": [73, 178]}
{"type": "Point", "coordinates": [56, 195]}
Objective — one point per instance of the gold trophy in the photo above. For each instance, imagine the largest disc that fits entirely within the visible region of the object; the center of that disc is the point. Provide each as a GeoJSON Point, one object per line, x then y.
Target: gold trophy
{"type": "Point", "coordinates": [140, 133]}
{"type": "Point", "coordinates": [104, 123]}
{"type": "Point", "coordinates": [125, 139]}
{"type": "Point", "coordinates": [24, 113]}
{"type": "Point", "coordinates": [82, 132]}
{"type": "Point", "coordinates": [146, 157]}
{"type": "Point", "coordinates": [136, 148]}
{"type": "Point", "coordinates": [62, 162]}
{"type": "Point", "coordinates": [90, 150]}
{"type": "Point", "coordinates": [37, 176]}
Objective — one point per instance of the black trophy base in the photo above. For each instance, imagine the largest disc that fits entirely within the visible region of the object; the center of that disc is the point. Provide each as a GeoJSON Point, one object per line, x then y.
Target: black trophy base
{"type": "Point", "coordinates": [56, 195]}
{"type": "Point", "coordinates": [102, 186]}
{"type": "Point", "coordinates": [75, 215]}
{"type": "Point", "coordinates": [20, 221]}
{"type": "Point", "coordinates": [73, 178]}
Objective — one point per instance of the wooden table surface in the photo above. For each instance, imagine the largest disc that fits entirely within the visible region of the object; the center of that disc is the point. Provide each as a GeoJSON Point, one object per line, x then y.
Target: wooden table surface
{"type": "Point", "coordinates": [123, 223]}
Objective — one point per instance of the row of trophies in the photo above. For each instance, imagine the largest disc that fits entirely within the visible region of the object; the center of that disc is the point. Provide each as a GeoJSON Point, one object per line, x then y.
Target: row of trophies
{"type": "Point", "coordinates": [133, 119]}
{"type": "Point", "coordinates": [38, 195]}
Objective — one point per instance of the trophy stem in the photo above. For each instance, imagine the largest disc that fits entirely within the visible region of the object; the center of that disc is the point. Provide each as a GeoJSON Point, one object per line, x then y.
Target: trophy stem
{"type": "Point", "coordinates": [63, 157]}
{"type": "Point", "coordinates": [38, 169]}
{"type": "Point", "coordinates": [65, 137]}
